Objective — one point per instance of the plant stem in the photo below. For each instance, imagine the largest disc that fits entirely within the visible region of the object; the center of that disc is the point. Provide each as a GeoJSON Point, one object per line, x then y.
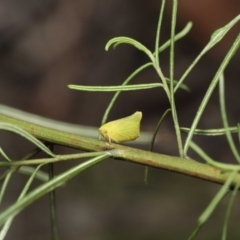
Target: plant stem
{"type": "Point", "coordinates": [171, 163]}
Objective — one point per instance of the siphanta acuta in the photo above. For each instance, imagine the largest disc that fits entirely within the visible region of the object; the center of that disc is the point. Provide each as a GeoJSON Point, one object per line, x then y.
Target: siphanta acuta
{"type": "Point", "coordinates": [123, 129]}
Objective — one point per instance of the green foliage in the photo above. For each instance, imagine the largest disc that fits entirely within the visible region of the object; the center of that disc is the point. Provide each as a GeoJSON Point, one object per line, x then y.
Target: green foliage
{"type": "Point", "coordinates": [170, 86]}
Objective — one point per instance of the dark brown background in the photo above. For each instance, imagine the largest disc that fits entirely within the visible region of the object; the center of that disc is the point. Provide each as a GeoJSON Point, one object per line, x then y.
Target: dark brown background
{"type": "Point", "coordinates": [45, 45]}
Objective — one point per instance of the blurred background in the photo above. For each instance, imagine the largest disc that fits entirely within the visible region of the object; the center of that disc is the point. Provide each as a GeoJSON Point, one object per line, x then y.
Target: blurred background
{"type": "Point", "coordinates": [45, 45]}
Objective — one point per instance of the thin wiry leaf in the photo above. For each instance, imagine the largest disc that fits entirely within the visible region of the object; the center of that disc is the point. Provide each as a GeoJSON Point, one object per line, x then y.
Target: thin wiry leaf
{"type": "Point", "coordinates": [28, 136]}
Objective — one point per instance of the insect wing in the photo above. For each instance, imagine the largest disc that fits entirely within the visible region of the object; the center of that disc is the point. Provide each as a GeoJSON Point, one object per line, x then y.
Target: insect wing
{"type": "Point", "coordinates": [122, 130]}
{"type": "Point", "coordinates": [126, 129]}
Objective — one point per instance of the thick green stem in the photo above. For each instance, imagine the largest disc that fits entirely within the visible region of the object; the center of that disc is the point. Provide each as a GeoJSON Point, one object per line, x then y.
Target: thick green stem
{"type": "Point", "coordinates": [175, 164]}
